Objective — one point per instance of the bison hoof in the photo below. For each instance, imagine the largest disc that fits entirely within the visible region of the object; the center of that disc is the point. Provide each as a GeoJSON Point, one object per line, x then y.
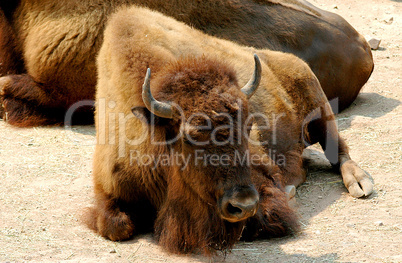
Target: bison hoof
{"type": "Point", "coordinates": [115, 227]}
{"type": "Point", "coordinates": [2, 113]}
{"type": "Point", "coordinates": [291, 191]}
{"type": "Point", "coordinates": [4, 82]}
{"type": "Point", "coordinates": [357, 181]}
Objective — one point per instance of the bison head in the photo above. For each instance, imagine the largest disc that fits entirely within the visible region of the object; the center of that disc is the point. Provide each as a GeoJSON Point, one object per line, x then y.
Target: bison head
{"type": "Point", "coordinates": [205, 118]}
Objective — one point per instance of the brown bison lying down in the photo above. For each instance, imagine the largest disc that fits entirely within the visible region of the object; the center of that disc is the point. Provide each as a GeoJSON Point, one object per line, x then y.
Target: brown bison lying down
{"type": "Point", "coordinates": [48, 48]}
{"type": "Point", "coordinates": [195, 150]}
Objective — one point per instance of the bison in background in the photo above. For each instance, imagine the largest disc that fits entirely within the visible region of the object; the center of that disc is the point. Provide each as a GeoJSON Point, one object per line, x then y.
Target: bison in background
{"type": "Point", "coordinates": [48, 48]}
{"type": "Point", "coordinates": [191, 111]}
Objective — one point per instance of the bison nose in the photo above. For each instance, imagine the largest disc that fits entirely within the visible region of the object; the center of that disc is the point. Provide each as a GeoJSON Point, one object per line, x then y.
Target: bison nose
{"type": "Point", "coordinates": [240, 204]}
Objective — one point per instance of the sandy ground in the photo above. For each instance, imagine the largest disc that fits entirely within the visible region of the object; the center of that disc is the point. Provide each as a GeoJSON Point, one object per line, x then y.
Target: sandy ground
{"type": "Point", "coordinates": [45, 176]}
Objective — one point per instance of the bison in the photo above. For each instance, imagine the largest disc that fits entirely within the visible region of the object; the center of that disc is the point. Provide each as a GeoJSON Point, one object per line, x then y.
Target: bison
{"type": "Point", "coordinates": [48, 48]}
{"type": "Point", "coordinates": [194, 150]}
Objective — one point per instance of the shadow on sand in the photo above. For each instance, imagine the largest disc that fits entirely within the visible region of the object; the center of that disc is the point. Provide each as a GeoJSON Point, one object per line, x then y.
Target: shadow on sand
{"type": "Point", "coordinates": [369, 105]}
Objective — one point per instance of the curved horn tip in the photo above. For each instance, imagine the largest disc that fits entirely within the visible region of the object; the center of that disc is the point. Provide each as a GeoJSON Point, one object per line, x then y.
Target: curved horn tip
{"type": "Point", "coordinates": [158, 108]}
{"type": "Point", "coordinates": [250, 88]}
{"type": "Point", "coordinates": [147, 81]}
{"type": "Point", "coordinates": [256, 58]}
{"type": "Point", "coordinates": [257, 63]}
{"type": "Point", "coordinates": [147, 76]}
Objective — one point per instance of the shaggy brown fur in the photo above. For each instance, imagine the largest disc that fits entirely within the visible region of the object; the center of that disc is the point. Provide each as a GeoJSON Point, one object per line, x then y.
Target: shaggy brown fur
{"type": "Point", "coordinates": [56, 42]}
{"type": "Point", "coordinates": [201, 74]}
{"type": "Point", "coordinates": [10, 61]}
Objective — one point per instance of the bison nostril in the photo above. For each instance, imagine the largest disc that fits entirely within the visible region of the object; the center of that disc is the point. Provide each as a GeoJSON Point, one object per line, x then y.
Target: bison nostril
{"type": "Point", "coordinates": [239, 204]}
{"type": "Point", "coordinates": [233, 210]}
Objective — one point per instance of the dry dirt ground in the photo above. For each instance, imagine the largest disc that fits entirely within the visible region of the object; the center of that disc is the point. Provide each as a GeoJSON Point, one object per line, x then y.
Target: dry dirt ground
{"type": "Point", "coordinates": [45, 180]}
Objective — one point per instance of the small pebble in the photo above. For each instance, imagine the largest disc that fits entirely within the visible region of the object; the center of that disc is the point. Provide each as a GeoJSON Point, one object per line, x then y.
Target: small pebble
{"type": "Point", "coordinates": [389, 21]}
{"type": "Point", "coordinates": [374, 43]}
{"type": "Point", "coordinates": [379, 223]}
{"type": "Point", "coordinates": [112, 251]}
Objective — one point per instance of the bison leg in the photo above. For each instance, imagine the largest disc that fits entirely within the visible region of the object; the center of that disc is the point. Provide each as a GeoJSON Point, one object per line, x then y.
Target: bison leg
{"type": "Point", "coordinates": [356, 180]}
{"type": "Point", "coordinates": [120, 215]}
{"type": "Point", "coordinates": [107, 219]}
{"type": "Point", "coordinates": [293, 171]}
{"type": "Point", "coordinates": [25, 103]}
{"type": "Point", "coordinates": [324, 131]}
{"type": "Point", "coordinates": [11, 61]}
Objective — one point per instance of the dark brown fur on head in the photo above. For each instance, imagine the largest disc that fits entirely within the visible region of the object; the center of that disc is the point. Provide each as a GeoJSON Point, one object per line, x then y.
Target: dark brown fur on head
{"type": "Point", "coordinates": [190, 219]}
{"type": "Point", "coordinates": [186, 223]}
{"type": "Point", "coordinates": [206, 84]}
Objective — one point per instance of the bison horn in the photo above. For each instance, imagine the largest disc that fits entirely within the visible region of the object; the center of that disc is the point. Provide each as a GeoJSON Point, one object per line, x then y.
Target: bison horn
{"type": "Point", "coordinates": [158, 108]}
{"type": "Point", "coordinates": [250, 88]}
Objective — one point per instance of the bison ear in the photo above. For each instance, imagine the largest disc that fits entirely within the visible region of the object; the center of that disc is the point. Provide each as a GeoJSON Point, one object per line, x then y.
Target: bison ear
{"type": "Point", "coordinates": [142, 113]}
{"type": "Point", "coordinates": [146, 116]}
